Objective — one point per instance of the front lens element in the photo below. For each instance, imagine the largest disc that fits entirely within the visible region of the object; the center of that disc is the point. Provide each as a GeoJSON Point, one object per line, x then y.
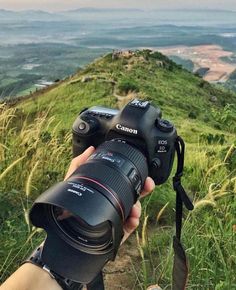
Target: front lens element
{"type": "Point", "coordinates": [98, 237]}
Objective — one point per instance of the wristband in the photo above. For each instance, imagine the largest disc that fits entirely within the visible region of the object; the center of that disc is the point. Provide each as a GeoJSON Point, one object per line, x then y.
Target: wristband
{"type": "Point", "coordinates": [66, 284]}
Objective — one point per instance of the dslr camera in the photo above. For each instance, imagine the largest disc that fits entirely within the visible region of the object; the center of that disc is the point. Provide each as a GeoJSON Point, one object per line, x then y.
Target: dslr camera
{"type": "Point", "coordinates": [84, 215]}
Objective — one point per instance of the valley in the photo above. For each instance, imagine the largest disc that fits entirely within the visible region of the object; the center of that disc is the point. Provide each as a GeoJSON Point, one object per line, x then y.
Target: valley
{"type": "Point", "coordinates": [208, 57]}
{"type": "Point", "coordinates": [45, 47]}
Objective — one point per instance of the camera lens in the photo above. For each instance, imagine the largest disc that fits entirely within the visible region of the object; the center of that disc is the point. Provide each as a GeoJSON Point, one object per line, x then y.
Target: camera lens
{"type": "Point", "coordinates": [96, 238]}
{"type": "Point", "coordinates": [84, 215]}
{"type": "Point", "coordinates": [118, 171]}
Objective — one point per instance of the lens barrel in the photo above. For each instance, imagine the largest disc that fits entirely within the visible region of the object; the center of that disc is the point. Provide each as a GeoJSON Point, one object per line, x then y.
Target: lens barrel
{"type": "Point", "coordinates": [118, 170]}
{"type": "Point", "coordinates": [84, 215]}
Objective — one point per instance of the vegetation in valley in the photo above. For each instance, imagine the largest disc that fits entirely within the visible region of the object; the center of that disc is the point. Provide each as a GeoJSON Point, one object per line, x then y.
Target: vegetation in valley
{"type": "Point", "coordinates": [26, 65]}
{"type": "Point", "coordinates": [35, 45]}
{"type": "Point", "coordinates": [35, 151]}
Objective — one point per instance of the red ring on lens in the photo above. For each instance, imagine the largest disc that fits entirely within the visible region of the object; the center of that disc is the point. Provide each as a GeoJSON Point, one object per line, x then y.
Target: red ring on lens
{"type": "Point", "coordinates": [119, 203]}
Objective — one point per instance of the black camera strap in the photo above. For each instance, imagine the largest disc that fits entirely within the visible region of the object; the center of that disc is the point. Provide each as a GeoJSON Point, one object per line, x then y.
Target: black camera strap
{"type": "Point", "coordinates": [180, 267]}
{"type": "Point", "coordinates": [97, 283]}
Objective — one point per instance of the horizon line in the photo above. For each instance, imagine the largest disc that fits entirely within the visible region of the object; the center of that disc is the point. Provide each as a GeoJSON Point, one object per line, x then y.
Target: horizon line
{"type": "Point", "coordinates": [120, 8]}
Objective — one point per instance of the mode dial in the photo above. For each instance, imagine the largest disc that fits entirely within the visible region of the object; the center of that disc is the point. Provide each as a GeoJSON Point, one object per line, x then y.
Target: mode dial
{"type": "Point", "coordinates": [164, 125]}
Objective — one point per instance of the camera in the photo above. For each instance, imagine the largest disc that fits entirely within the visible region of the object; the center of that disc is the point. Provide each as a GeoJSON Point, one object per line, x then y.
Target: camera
{"type": "Point", "coordinates": [84, 215]}
{"type": "Point", "coordinates": [139, 124]}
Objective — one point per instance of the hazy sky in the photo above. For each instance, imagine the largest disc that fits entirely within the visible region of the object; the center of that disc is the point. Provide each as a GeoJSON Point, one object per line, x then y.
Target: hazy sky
{"type": "Point", "coordinates": [57, 5]}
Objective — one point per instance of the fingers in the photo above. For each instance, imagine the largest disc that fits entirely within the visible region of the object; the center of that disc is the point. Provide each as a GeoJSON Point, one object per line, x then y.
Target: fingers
{"type": "Point", "coordinates": [129, 227]}
{"type": "Point", "coordinates": [148, 187]}
{"type": "Point", "coordinates": [136, 210]}
{"type": "Point", "coordinates": [133, 220]}
{"type": "Point", "coordinates": [79, 160]}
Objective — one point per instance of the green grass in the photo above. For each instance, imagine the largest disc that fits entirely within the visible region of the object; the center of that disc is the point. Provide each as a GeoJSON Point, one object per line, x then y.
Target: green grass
{"type": "Point", "coordinates": [35, 150]}
{"type": "Point", "coordinates": [209, 231]}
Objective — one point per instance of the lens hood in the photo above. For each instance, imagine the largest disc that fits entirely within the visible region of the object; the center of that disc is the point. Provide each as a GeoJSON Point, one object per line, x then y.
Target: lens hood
{"type": "Point", "coordinates": [65, 256]}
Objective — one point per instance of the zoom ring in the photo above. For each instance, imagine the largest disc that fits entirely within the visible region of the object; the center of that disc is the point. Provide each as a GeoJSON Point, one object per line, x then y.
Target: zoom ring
{"type": "Point", "coordinates": [131, 153]}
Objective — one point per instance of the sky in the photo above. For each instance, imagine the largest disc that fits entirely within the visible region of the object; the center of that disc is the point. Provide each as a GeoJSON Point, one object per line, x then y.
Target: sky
{"type": "Point", "coordinates": [59, 5]}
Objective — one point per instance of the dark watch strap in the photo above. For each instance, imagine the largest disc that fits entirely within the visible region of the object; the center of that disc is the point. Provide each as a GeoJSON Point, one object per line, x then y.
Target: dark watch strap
{"type": "Point", "coordinates": [66, 284]}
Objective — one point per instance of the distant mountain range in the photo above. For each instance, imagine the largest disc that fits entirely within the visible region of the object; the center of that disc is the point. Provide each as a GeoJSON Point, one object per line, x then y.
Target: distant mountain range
{"type": "Point", "coordinates": [196, 10]}
{"type": "Point", "coordinates": [34, 12]}
{"type": "Point", "coordinates": [26, 15]}
{"type": "Point", "coordinates": [40, 13]}
{"type": "Point", "coordinates": [97, 10]}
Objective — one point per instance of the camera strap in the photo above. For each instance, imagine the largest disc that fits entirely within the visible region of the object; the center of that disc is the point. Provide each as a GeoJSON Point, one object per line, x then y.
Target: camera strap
{"type": "Point", "coordinates": [97, 283]}
{"type": "Point", "coordinates": [180, 267]}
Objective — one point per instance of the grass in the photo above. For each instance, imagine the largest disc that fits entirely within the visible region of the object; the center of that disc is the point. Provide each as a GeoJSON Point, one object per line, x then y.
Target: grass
{"type": "Point", "coordinates": [26, 165]}
{"type": "Point", "coordinates": [35, 150]}
{"type": "Point", "coordinates": [209, 234]}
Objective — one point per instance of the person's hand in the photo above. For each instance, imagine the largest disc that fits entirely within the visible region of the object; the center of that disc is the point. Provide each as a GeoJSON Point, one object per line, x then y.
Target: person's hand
{"type": "Point", "coordinates": [133, 220]}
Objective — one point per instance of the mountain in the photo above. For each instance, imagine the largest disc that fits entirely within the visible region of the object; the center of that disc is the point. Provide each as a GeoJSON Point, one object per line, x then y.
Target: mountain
{"type": "Point", "coordinates": [35, 147]}
{"type": "Point", "coordinates": [149, 74]}
{"type": "Point", "coordinates": [36, 13]}
{"type": "Point", "coordinates": [7, 14]}
{"type": "Point", "coordinates": [4, 11]}
{"type": "Point", "coordinates": [197, 10]}
{"type": "Point", "coordinates": [102, 10]}
{"type": "Point", "coordinates": [29, 15]}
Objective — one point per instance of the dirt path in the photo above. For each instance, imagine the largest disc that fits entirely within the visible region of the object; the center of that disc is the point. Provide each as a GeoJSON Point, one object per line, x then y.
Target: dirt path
{"type": "Point", "coordinates": [121, 274]}
{"type": "Point", "coordinates": [123, 100]}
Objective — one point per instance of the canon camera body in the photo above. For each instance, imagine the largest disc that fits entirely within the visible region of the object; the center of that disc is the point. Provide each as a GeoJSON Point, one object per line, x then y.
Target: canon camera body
{"type": "Point", "coordinates": [139, 124]}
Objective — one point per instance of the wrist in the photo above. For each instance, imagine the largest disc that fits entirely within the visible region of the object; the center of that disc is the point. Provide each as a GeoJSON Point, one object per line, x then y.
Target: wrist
{"type": "Point", "coordinates": [41, 277]}
{"type": "Point", "coordinates": [31, 277]}
{"type": "Point", "coordinates": [37, 260]}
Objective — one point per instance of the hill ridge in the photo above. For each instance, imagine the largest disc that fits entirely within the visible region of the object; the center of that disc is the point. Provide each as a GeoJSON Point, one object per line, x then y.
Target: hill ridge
{"type": "Point", "coordinates": [115, 78]}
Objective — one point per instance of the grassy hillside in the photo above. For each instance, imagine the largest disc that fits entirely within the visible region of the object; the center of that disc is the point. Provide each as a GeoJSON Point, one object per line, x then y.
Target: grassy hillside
{"type": "Point", "coordinates": [35, 150]}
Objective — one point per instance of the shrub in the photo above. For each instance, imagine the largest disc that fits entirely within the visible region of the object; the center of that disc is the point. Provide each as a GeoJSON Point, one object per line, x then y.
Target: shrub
{"type": "Point", "coordinates": [127, 85]}
{"type": "Point", "coordinates": [192, 115]}
{"type": "Point", "coordinates": [213, 139]}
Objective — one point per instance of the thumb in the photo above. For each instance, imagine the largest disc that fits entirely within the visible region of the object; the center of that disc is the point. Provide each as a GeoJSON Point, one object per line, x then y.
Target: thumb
{"type": "Point", "coordinates": [79, 160]}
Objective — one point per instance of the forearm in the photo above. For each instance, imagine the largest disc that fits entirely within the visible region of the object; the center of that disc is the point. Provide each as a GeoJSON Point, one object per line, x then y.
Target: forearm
{"type": "Point", "coordinates": [30, 277]}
